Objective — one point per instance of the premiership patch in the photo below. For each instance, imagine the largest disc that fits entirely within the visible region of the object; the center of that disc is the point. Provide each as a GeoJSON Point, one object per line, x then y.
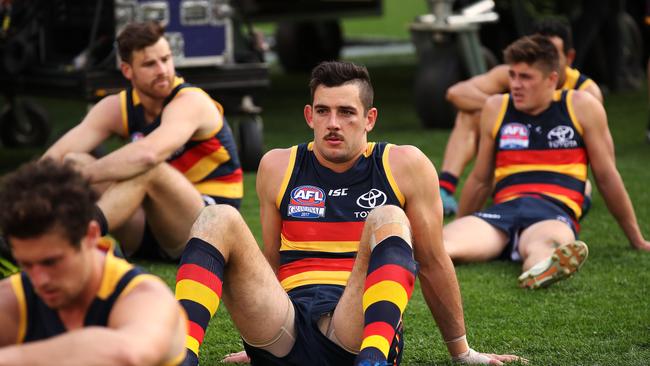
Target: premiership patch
{"type": "Point", "coordinates": [514, 136]}
{"type": "Point", "coordinates": [306, 202]}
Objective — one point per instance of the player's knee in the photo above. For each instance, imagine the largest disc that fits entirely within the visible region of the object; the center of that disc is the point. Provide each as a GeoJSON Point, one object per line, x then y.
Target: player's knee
{"type": "Point", "coordinates": [388, 221]}
{"type": "Point", "coordinates": [216, 218]}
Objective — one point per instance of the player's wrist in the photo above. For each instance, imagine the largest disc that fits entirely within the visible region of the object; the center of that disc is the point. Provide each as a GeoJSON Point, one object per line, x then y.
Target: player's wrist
{"type": "Point", "coordinates": [457, 346]}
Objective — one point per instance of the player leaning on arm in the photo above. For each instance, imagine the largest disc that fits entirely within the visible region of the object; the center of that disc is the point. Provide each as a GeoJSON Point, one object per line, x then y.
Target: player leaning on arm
{"type": "Point", "coordinates": [344, 221]}
{"type": "Point", "coordinates": [181, 153]}
{"type": "Point", "coordinates": [535, 149]}
{"type": "Point", "coordinates": [74, 303]}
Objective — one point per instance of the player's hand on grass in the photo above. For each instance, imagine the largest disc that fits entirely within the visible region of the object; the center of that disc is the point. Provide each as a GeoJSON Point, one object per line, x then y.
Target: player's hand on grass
{"type": "Point", "coordinates": [472, 357]}
{"type": "Point", "coordinates": [238, 357]}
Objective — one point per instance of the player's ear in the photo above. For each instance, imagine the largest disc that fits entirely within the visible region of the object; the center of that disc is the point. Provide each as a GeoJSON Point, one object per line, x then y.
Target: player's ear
{"type": "Point", "coordinates": [309, 115]}
{"type": "Point", "coordinates": [371, 118]}
{"type": "Point", "coordinates": [127, 70]}
{"type": "Point", "coordinates": [570, 56]}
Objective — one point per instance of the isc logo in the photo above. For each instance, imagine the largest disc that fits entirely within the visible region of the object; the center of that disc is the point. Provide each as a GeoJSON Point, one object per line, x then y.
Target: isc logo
{"type": "Point", "coordinates": [308, 195]}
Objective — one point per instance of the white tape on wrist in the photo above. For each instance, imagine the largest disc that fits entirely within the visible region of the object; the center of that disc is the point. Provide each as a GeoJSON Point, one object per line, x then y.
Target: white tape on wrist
{"type": "Point", "coordinates": [471, 357]}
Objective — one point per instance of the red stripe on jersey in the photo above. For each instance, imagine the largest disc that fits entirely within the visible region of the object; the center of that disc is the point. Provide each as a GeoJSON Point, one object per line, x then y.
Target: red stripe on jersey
{"type": "Point", "coordinates": [201, 275]}
{"type": "Point", "coordinates": [545, 157]}
{"type": "Point", "coordinates": [191, 156]}
{"type": "Point", "coordinates": [391, 272]}
{"type": "Point", "coordinates": [322, 231]}
{"type": "Point", "coordinates": [539, 188]}
{"type": "Point", "coordinates": [235, 177]}
{"type": "Point", "coordinates": [382, 329]}
{"type": "Point", "coordinates": [195, 331]}
{"type": "Point", "coordinates": [315, 264]}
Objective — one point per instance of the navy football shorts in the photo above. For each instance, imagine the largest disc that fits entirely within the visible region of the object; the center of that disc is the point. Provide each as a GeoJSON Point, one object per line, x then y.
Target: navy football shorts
{"type": "Point", "coordinates": [312, 347]}
{"type": "Point", "coordinates": [513, 216]}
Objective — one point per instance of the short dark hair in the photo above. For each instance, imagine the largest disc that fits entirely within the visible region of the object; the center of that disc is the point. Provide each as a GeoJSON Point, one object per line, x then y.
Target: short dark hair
{"type": "Point", "coordinates": [555, 27]}
{"type": "Point", "coordinates": [137, 36]}
{"type": "Point", "coordinates": [45, 195]}
{"type": "Point", "coordinates": [337, 73]}
{"type": "Point", "coordinates": [535, 50]}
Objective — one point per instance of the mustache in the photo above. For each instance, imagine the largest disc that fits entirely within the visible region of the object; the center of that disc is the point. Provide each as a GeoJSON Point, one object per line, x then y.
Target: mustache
{"type": "Point", "coordinates": [333, 135]}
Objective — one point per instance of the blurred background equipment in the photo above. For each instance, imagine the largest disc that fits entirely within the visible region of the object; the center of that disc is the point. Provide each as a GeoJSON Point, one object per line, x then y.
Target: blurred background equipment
{"type": "Point", "coordinates": [65, 48]}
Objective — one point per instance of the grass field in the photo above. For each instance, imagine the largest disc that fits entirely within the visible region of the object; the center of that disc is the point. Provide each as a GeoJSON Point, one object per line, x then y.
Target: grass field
{"type": "Point", "coordinates": [599, 317]}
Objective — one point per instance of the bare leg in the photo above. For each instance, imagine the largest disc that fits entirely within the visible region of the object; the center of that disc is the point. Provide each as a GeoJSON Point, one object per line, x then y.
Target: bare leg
{"type": "Point", "coordinates": [462, 144]}
{"type": "Point", "coordinates": [258, 305]}
{"type": "Point", "coordinates": [550, 254]}
{"type": "Point", "coordinates": [538, 241]}
{"type": "Point", "coordinates": [348, 318]}
{"type": "Point", "coordinates": [470, 239]}
{"type": "Point", "coordinates": [170, 201]}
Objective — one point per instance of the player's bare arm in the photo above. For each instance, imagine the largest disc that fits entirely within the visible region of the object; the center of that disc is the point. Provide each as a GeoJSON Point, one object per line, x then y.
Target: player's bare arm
{"type": "Point", "coordinates": [9, 314]}
{"type": "Point", "coordinates": [470, 95]}
{"type": "Point", "coordinates": [600, 148]}
{"type": "Point", "coordinates": [413, 174]}
{"type": "Point", "coordinates": [103, 119]}
{"type": "Point", "coordinates": [479, 183]}
{"type": "Point", "coordinates": [138, 333]}
{"type": "Point", "coordinates": [594, 90]}
{"type": "Point", "coordinates": [270, 176]}
{"type": "Point", "coordinates": [188, 115]}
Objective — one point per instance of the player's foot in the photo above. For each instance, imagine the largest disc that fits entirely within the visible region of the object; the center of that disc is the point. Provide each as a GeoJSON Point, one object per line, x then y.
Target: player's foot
{"type": "Point", "coordinates": [449, 204]}
{"type": "Point", "coordinates": [564, 262]}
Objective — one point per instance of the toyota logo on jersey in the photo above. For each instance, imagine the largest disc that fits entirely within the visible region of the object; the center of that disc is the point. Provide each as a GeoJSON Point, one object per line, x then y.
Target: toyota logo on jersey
{"type": "Point", "coordinates": [371, 199]}
{"type": "Point", "coordinates": [307, 202]}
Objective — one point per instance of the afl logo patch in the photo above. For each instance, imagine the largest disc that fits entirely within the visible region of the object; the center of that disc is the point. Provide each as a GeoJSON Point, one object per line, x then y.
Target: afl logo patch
{"type": "Point", "coordinates": [307, 202]}
{"type": "Point", "coordinates": [514, 136]}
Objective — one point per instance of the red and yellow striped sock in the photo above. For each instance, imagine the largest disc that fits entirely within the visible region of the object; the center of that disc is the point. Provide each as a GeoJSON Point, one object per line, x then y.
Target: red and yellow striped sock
{"type": "Point", "coordinates": [198, 289]}
{"type": "Point", "coordinates": [388, 288]}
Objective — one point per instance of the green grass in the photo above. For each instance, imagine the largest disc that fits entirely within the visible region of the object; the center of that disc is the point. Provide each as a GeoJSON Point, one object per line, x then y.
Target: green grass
{"type": "Point", "coordinates": [599, 317]}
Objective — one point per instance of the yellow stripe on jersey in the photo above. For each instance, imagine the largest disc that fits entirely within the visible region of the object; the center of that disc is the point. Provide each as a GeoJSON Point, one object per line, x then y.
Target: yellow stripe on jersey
{"type": "Point", "coordinates": [502, 112]}
{"type": "Point", "coordinates": [199, 293]}
{"type": "Point", "coordinates": [17, 285]}
{"type": "Point", "coordinates": [319, 246]}
{"type": "Point", "coordinates": [572, 114]}
{"type": "Point", "coordinates": [287, 176]}
{"type": "Point", "coordinates": [578, 171]}
{"type": "Point", "coordinates": [207, 165]}
{"type": "Point", "coordinates": [386, 291]}
{"type": "Point", "coordinates": [316, 278]}
{"type": "Point", "coordinates": [585, 84]}
{"type": "Point", "coordinates": [389, 175]}
{"type": "Point", "coordinates": [378, 342]}
{"type": "Point", "coordinates": [570, 78]}
{"type": "Point", "coordinates": [221, 189]}
{"type": "Point", "coordinates": [369, 148]}
{"type": "Point", "coordinates": [138, 280]}
{"type": "Point", "coordinates": [114, 270]}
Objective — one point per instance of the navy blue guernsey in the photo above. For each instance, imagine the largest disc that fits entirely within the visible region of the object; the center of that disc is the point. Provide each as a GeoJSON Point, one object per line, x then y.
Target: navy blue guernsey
{"type": "Point", "coordinates": [542, 155]}
{"type": "Point", "coordinates": [42, 322]}
{"type": "Point", "coordinates": [323, 213]}
{"type": "Point", "coordinates": [209, 162]}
